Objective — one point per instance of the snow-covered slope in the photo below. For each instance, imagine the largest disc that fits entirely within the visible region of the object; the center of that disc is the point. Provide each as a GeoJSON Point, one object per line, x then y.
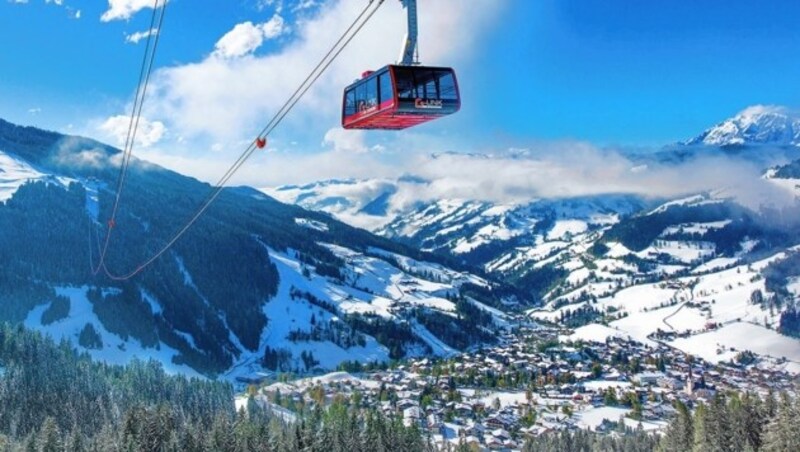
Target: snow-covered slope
{"type": "Point", "coordinates": [14, 172]}
{"type": "Point", "coordinates": [255, 283]}
{"type": "Point", "coordinates": [460, 226]}
{"type": "Point", "coordinates": [463, 226]}
{"type": "Point", "coordinates": [759, 124]}
{"type": "Point", "coordinates": [712, 315]}
{"type": "Point", "coordinates": [309, 315]}
{"type": "Point", "coordinates": [113, 348]}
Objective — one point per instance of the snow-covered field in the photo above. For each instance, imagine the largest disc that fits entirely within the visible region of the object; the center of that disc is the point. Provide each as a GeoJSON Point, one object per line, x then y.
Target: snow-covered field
{"type": "Point", "coordinates": [638, 298]}
{"type": "Point", "coordinates": [593, 332]}
{"type": "Point", "coordinates": [791, 186]}
{"type": "Point", "coordinates": [592, 418]}
{"type": "Point", "coordinates": [712, 304]}
{"type": "Point", "coordinates": [724, 343]}
{"type": "Point", "coordinates": [505, 398]}
{"type": "Point", "coordinates": [715, 264]}
{"type": "Point", "coordinates": [680, 251]}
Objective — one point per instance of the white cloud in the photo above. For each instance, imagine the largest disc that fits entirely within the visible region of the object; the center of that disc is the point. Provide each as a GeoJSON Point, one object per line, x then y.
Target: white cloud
{"type": "Point", "coordinates": [246, 37]}
{"type": "Point", "coordinates": [346, 140]}
{"type": "Point", "coordinates": [134, 38]}
{"type": "Point", "coordinates": [82, 153]}
{"type": "Point", "coordinates": [274, 27]}
{"type": "Point", "coordinates": [563, 170]}
{"type": "Point", "coordinates": [124, 9]}
{"type": "Point", "coordinates": [552, 170]}
{"type": "Point", "coordinates": [304, 4]}
{"type": "Point", "coordinates": [148, 132]}
{"type": "Point", "coordinates": [243, 39]}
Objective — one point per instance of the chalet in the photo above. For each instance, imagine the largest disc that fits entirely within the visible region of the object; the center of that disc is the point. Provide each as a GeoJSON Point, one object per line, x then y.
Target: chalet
{"type": "Point", "coordinates": [671, 383]}
{"type": "Point", "coordinates": [405, 404]}
{"type": "Point", "coordinates": [499, 422]}
{"type": "Point", "coordinates": [463, 410]}
{"type": "Point", "coordinates": [412, 415]}
{"type": "Point", "coordinates": [648, 378]}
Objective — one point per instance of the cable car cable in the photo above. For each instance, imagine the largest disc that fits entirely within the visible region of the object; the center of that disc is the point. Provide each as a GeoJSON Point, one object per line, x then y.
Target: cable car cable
{"type": "Point", "coordinates": [133, 126]}
{"type": "Point", "coordinates": [321, 67]}
{"type": "Point", "coordinates": [123, 166]}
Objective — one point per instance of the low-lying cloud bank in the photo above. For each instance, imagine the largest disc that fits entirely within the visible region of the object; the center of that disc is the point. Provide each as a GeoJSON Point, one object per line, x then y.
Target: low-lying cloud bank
{"type": "Point", "coordinates": [560, 170]}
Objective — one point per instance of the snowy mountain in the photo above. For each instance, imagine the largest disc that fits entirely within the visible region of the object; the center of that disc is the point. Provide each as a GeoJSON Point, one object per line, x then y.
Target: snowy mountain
{"type": "Point", "coordinates": [458, 226]}
{"type": "Point", "coordinates": [254, 284]}
{"type": "Point", "coordinates": [617, 264]}
{"type": "Point", "coordinates": [361, 203]}
{"type": "Point", "coordinates": [682, 270]}
{"type": "Point", "coordinates": [260, 284]}
{"type": "Point", "coordinates": [756, 125]}
{"type": "Point", "coordinates": [701, 274]}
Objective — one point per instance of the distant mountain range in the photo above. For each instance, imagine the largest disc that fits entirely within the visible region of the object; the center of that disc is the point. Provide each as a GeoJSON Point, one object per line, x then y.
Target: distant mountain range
{"type": "Point", "coordinates": [478, 231]}
{"type": "Point", "coordinates": [361, 269]}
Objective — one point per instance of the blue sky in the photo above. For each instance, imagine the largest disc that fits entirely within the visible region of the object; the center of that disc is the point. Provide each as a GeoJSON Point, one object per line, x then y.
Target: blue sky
{"type": "Point", "coordinates": [612, 73]}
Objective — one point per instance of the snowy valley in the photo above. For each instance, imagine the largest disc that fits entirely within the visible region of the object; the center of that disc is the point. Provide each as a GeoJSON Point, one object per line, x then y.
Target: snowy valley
{"type": "Point", "coordinates": [309, 294]}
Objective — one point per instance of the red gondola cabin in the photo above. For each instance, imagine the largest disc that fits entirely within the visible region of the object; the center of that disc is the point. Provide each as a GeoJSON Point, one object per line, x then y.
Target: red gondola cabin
{"type": "Point", "coordinates": [396, 97]}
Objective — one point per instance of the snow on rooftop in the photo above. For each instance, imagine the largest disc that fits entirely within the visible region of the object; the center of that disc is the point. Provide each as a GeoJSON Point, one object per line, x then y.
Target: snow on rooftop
{"type": "Point", "coordinates": [602, 385]}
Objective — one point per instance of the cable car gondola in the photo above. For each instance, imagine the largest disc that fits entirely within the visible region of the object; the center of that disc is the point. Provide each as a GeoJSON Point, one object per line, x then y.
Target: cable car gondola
{"type": "Point", "coordinates": [397, 97]}
{"type": "Point", "coordinates": [401, 95]}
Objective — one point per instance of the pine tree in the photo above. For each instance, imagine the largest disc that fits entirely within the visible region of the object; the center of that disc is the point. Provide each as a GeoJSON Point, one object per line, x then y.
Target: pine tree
{"type": "Point", "coordinates": [49, 436]}
{"type": "Point", "coordinates": [747, 420]}
{"type": "Point", "coordinates": [680, 433]}
{"type": "Point", "coordinates": [702, 440]}
{"type": "Point", "coordinates": [30, 443]}
{"type": "Point", "coordinates": [770, 406]}
{"type": "Point", "coordinates": [221, 437]}
{"type": "Point", "coordinates": [76, 443]}
{"type": "Point", "coordinates": [783, 430]}
{"type": "Point", "coordinates": [718, 425]}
